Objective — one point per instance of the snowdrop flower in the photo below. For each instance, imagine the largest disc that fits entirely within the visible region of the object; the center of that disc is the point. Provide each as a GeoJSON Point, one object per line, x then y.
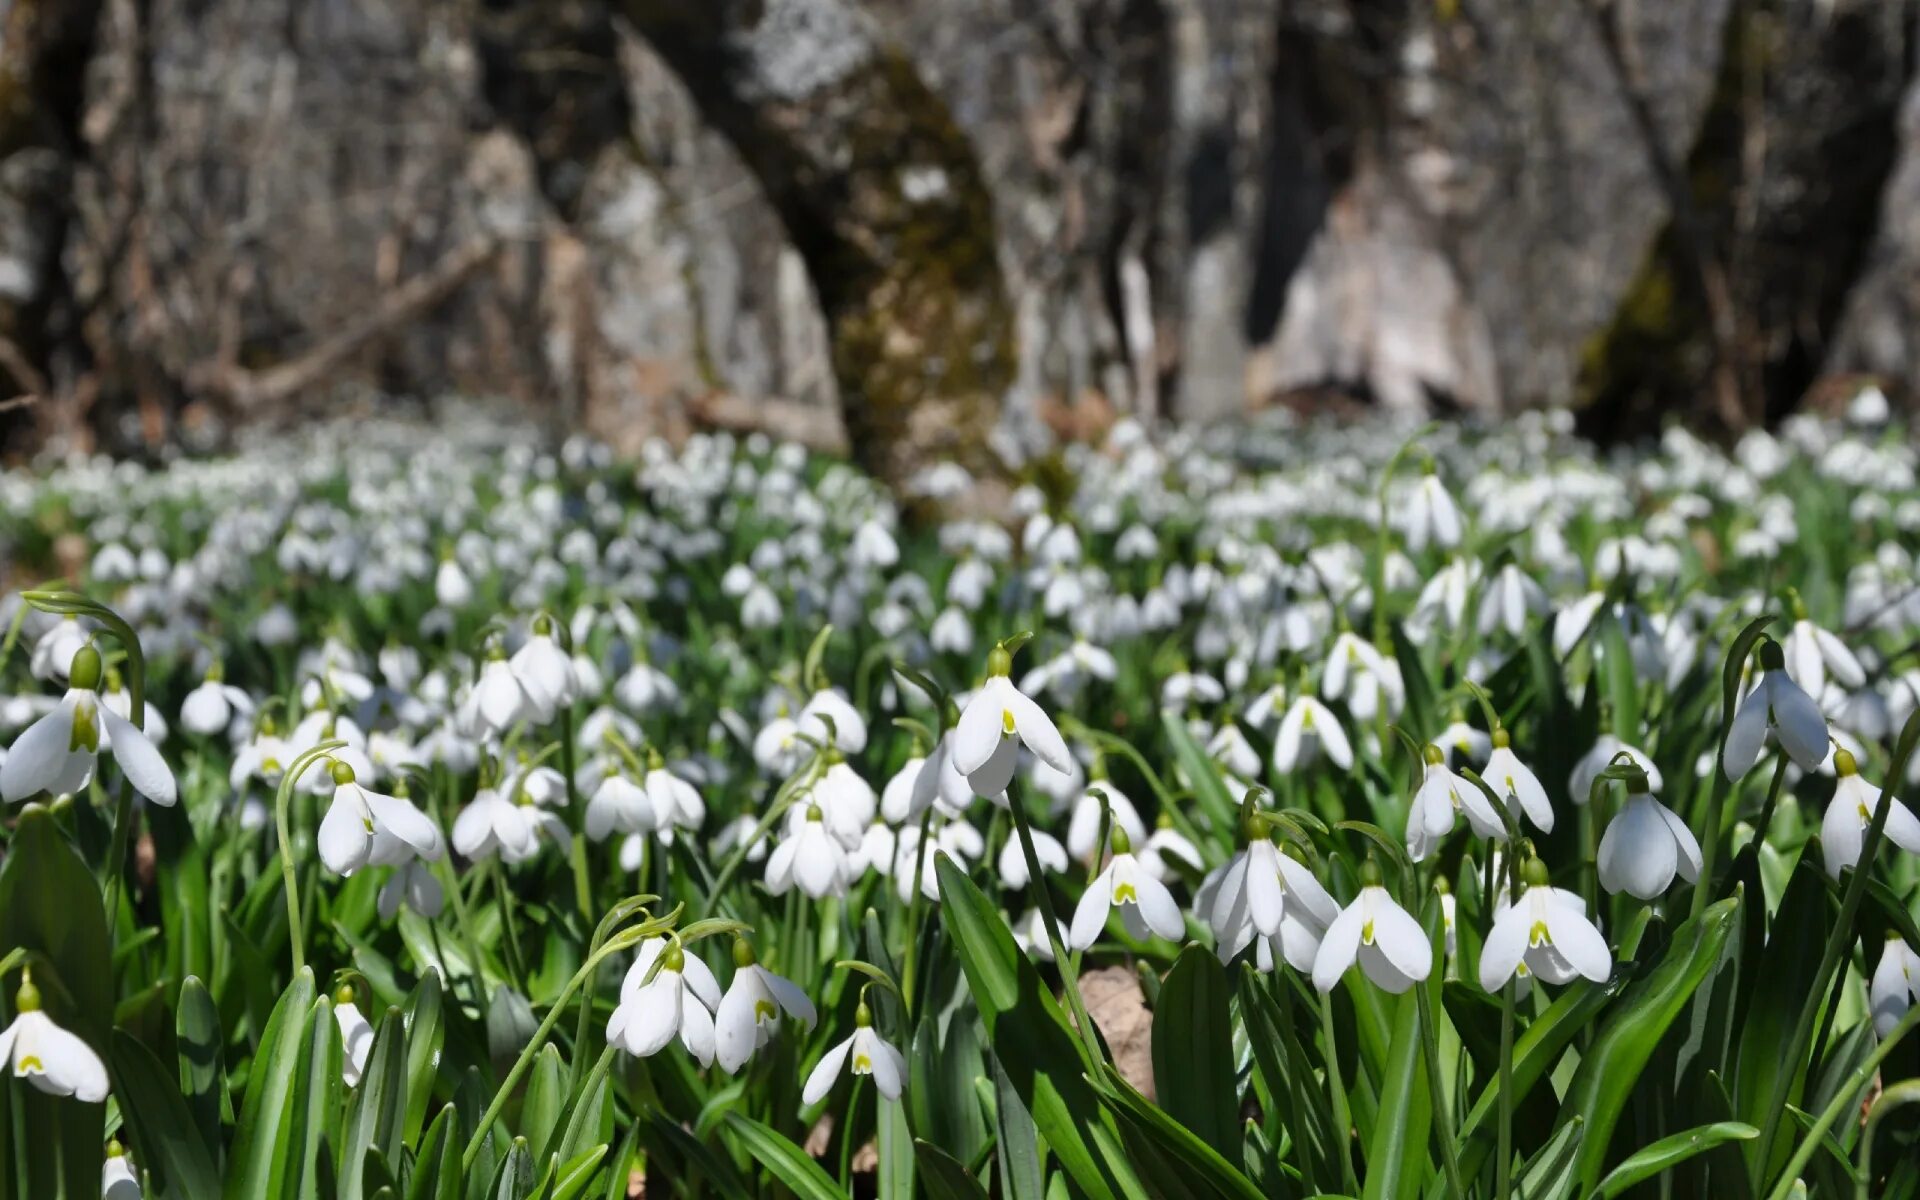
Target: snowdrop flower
{"type": "Point", "coordinates": [940, 782]}
{"type": "Point", "coordinates": [1596, 760]}
{"type": "Point", "coordinates": [1013, 859]}
{"type": "Point", "coordinates": [750, 1011]}
{"type": "Point", "coordinates": [832, 706]}
{"type": "Point", "coordinates": [1083, 827]}
{"type": "Point", "coordinates": [1229, 747]}
{"type": "Point", "coordinates": [678, 1001]}
{"type": "Point", "coordinates": [1511, 602]}
{"type": "Point", "coordinates": [1030, 934]}
{"type": "Point", "coordinates": [1843, 831]}
{"type": "Point", "coordinates": [1460, 740]}
{"type": "Point", "coordinates": [674, 800]}
{"type": "Point", "coordinates": [356, 1036]}
{"type": "Point", "coordinates": [645, 688]}
{"type": "Point", "coordinates": [997, 721]}
{"type": "Point", "coordinates": [1266, 892]}
{"type": "Point", "coordinates": [1775, 707]}
{"type": "Point", "coordinates": [53, 652]}
{"type": "Point", "coordinates": [497, 701]}
{"type": "Point", "coordinates": [1146, 906]}
{"type": "Point", "coordinates": [53, 1060]}
{"type": "Point", "coordinates": [1183, 687]}
{"type": "Point", "coordinates": [778, 748]}
{"type": "Point", "coordinates": [1516, 784]}
{"type": "Point", "coordinates": [1430, 517]}
{"type": "Point", "coordinates": [952, 632]}
{"type": "Point", "coordinates": [869, 1056]}
{"type": "Point", "coordinates": [1308, 732]}
{"type": "Point", "coordinates": [411, 884]}
{"type": "Point", "coordinates": [364, 828]}
{"type": "Point", "coordinates": [1164, 846]}
{"type": "Point", "coordinates": [56, 753]}
{"type": "Point", "coordinates": [214, 706]}
{"type": "Point", "coordinates": [118, 1180]}
{"type": "Point", "coordinates": [1645, 844]}
{"type": "Point", "coordinates": [451, 587]}
{"type": "Point", "coordinates": [1546, 933]}
{"type": "Point", "coordinates": [1441, 795]}
{"type": "Point", "coordinates": [1442, 604]}
{"type": "Point", "coordinates": [1813, 654]}
{"type": "Point", "coordinates": [544, 671]}
{"type": "Point", "coordinates": [620, 804]}
{"type": "Point", "coordinates": [897, 798]}
{"type": "Point", "coordinates": [1374, 931]}
{"type": "Point", "coordinates": [1896, 985]}
{"type": "Point", "coordinates": [492, 824]}
{"type": "Point", "coordinates": [810, 857]}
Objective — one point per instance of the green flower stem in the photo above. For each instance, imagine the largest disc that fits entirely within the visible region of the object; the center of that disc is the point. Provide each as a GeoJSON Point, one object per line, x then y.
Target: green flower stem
{"type": "Point", "coordinates": [1773, 798]}
{"type": "Point", "coordinates": [914, 905]}
{"type": "Point", "coordinates": [789, 791]}
{"type": "Point", "coordinates": [509, 930]}
{"type": "Point", "coordinates": [626, 939]}
{"type": "Point", "coordinates": [846, 1134]}
{"type": "Point", "coordinates": [1503, 1169]}
{"type": "Point", "coordinates": [577, 853]}
{"type": "Point", "coordinates": [1342, 1111]}
{"type": "Point", "coordinates": [1442, 1109]}
{"type": "Point", "coordinates": [1907, 1092]}
{"type": "Point", "coordinates": [1069, 975]}
{"type": "Point", "coordinates": [283, 829]}
{"type": "Point", "coordinates": [1843, 1099]}
{"type": "Point", "coordinates": [117, 855]}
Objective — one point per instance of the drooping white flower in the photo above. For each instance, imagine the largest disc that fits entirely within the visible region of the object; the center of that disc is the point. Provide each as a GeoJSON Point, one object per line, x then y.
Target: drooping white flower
{"type": "Point", "coordinates": [1442, 794]}
{"type": "Point", "coordinates": [1165, 846]}
{"type": "Point", "coordinates": [846, 800]}
{"type": "Point", "coordinates": [366, 828]}
{"type": "Point", "coordinates": [645, 688]}
{"type": "Point", "coordinates": [863, 1053]}
{"type": "Point", "coordinates": [1266, 894]}
{"type": "Point", "coordinates": [356, 1037]}
{"type": "Point", "coordinates": [831, 707]}
{"type": "Point", "coordinates": [53, 652]}
{"type": "Point", "coordinates": [1430, 516]}
{"type": "Point", "coordinates": [811, 857]}
{"type": "Point", "coordinates": [750, 1011]}
{"type": "Point", "coordinates": [50, 1058]}
{"type": "Point", "coordinates": [1813, 654]}
{"type": "Point", "coordinates": [1307, 733]}
{"type": "Point", "coordinates": [1083, 826]}
{"type": "Point", "coordinates": [118, 1179]}
{"type": "Point", "coordinates": [1515, 783]}
{"type": "Point", "coordinates": [618, 804]}
{"type": "Point", "coordinates": [1383, 938]}
{"type": "Point", "coordinates": [677, 1001]}
{"type": "Point", "coordinates": [674, 801]}
{"type": "Point", "coordinates": [997, 721]}
{"type": "Point", "coordinates": [898, 799]}
{"type": "Point", "coordinates": [1510, 602]}
{"type": "Point", "coordinates": [497, 701]}
{"type": "Point", "coordinates": [1843, 831]}
{"type": "Point", "coordinates": [1461, 741]}
{"type": "Point", "coordinates": [451, 587]}
{"type": "Point", "coordinates": [492, 823]}
{"type": "Point", "coordinates": [1776, 708]}
{"type": "Point", "coordinates": [1547, 932]}
{"type": "Point", "coordinates": [1644, 846]}
{"type": "Point", "coordinates": [1896, 985]}
{"type": "Point", "coordinates": [214, 706]}
{"type": "Point", "coordinates": [1229, 747]}
{"type": "Point", "coordinates": [56, 754]}
{"type": "Point", "coordinates": [1013, 860]}
{"type": "Point", "coordinates": [1146, 906]}
{"type": "Point", "coordinates": [545, 672]}
{"type": "Point", "coordinates": [1596, 760]}
{"type": "Point", "coordinates": [412, 884]}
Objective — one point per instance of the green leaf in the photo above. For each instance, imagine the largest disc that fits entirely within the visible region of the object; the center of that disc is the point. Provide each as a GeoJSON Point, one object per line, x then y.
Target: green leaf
{"type": "Point", "coordinates": [1209, 789]}
{"type": "Point", "coordinates": [1017, 1147]}
{"type": "Point", "coordinates": [1786, 971]}
{"type": "Point", "coordinates": [1397, 1151]}
{"type": "Point", "coordinates": [1604, 1081]}
{"type": "Point", "coordinates": [943, 1176]}
{"type": "Point", "coordinates": [577, 1173]}
{"type": "Point", "coordinates": [1670, 1151]}
{"type": "Point", "coordinates": [426, 1035]}
{"type": "Point", "coordinates": [258, 1162]}
{"type": "Point", "coordinates": [1193, 1068]}
{"type": "Point", "coordinates": [783, 1160]}
{"type": "Point", "coordinates": [436, 1161]}
{"type": "Point", "coordinates": [1549, 1174]}
{"type": "Point", "coordinates": [201, 1047]}
{"type": "Point", "coordinates": [1029, 1034]}
{"type": "Point", "coordinates": [316, 1104]}
{"type": "Point", "coordinates": [166, 1140]}
{"type": "Point", "coordinates": [1202, 1165]}
{"type": "Point", "coordinates": [546, 1096]}
{"type": "Point", "coordinates": [378, 1105]}
{"type": "Point", "coordinates": [514, 1179]}
{"type": "Point", "coordinates": [894, 1142]}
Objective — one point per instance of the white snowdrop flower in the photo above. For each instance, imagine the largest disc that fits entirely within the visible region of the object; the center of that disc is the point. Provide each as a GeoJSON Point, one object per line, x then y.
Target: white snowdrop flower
{"type": "Point", "coordinates": [1263, 708]}
{"type": "Point", "coordinates": [1012, 862]}
{"type": "Point", "coordinates": [952, 632]}
{"type": "Point", "coordinates": [544, 671]}
{"type": "Point", "coordinates": [356, 1037]}
{"type": "Point", "coordinates": [1083, 826]}
{"type": "Point", "coordinates": [497, 701]}
{"type": "Point", "coordinates": [778, 748]}
{"type": "Point", "coordinates": [1184, 687]}
{"type": "Point", "coordinates": [56, 753]}
{"type": "Point", "coordinates": [1644, 846]}
{"type": "Point", "coordinates": [677, 1001]}
{"type": "Point", "coordinates": [1776, 708]}
{"type": "Point", "coordinates": [897, 798]}
{"type": "Point", "coordinates": [1813, 654]}
{"type": "Point", "coordinates": [1596, 760]}
{"type": "Point", "coordinates": [618, 804]}
{"type": "Point", "coordinates": [214, 707]}
{"type": "Point", "coordinates": [1442, 794]}
{"type": "Point", "coordinates": [1511, 602]}
{"type": "Point", "coordinates": [760, 609]}
{"type": "Point", "coordinates": [1547, 933]}
{"type": "Point", "coordinates": [750, 1011]}
{"type": "Point", "coordinates": [1442, 603]}
{"type": "Point", "coordinates": [493, 824]}
{"type": "Point", "coordinates": [864, 1053]}
{"type": "Point", "coordinates": [118, 1179]}
{"type": "Point", "coordinates": [674, 800]}
{"type": "Point", "coordinates": [1375, 932]}
{"type": "Point", "coordinates": [1309, 731]}
{"type": "Point", "coordinates": [1166, 846]}
{"type": "Point", "coordinates": [735, 832]}
{"type": "Point", "coordinates": [399, 665]}
{"type": "Point", "coordinates": [1265, 893]}
{"type": "Point", "coordinates": [1229, 747]}
{"type": "Point", "coordinates": [810, 857]}
{"type": "Point", "coordinates": [645, 688]}
{"type": "Point", "coordinates": [1461, 741]}
{"type": "Point", "coordinates": [1030, 934]}
{"type": "Point", "coordinates": [1573, 622]}
{"type": "Point", "coordinates": [1429, 516]}
{"type": "Point", "coordinates": [1896, 985]}
{"type": "Point", "coordinates": [968, 583]}
{"type": "Point", "coordinates": [876, 851]}
{"type": "Point", "coordinates": [412, 884]}
{"type": "Point", "coordinates": [873, 547]}
{"type": "Point", "coordinates": [54, 650]}
{"type": "Point", "coordinates": [50, 1058]}
{"type": "Point", "coordinates": [831, 707]}
{"type": "Point", "coordinates": [1515, 783]}
{"type": "Point", "coordinates": [845, 799]}
{"type": "Point", "coordinates": [451, 587]}
{"type": "Point", "coordinates": [941, 783]}
{"type": "Point", "coordinates": [364, 828]}
{"type": "Point", "coordinates": [1843, 831]}
{"type": "Point", "coordinates": [996, 722]}
{"type": "Point", "coordinates": [1146, 906]}
{"type": "Point", "coordinates": [276, 627]}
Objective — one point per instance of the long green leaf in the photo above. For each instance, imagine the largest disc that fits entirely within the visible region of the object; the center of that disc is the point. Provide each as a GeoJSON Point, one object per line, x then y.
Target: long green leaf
{"type": "Point", "coordinates": [1193, 1051]}
{"type": "Point", "coordinates": [943, 1177]}
{"type": "Point", "coordinates": [258, 1155]}
{"type": "Point", "coordinates": [378, 1105]}
{"type": "Point", "coordinates": [165, 1138]}
{"type": "Point", "coordinates": [1670, 1151]}
{"type": "Point", "coordinates": [783, 1160]}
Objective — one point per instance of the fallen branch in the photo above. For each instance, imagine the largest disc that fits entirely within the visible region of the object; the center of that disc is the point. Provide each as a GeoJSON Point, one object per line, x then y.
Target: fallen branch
{"type": "Point", "coordinates": [815, 426]}
{"type": "Point", "coordinates": [410, 300]}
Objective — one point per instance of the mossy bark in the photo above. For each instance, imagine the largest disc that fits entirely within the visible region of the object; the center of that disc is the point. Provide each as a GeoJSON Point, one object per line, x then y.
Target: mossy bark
{"type": "Point", "coordinates": [883, 197]}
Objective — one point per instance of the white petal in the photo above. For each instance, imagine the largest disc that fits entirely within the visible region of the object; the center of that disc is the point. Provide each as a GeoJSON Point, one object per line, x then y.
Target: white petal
{"type": "Point", "coordinates": [1338, 948]}
{"type": "Point", "coordinates": [1802, 730]}
{"type": "Point", "coordinates": [696, 1029]}
{"type": "Point", "coordinates": [1158, 908]}
{"type": "Point", "coordinates": [735, 1034]}
{"type": "Point", "coordinates": [1505, 946]}
{"type": "Point", "coordinates": [1686, 849]}
{"type": "Point", "coordinates": [996, 773]}
{"type": "Point", "coordinates": [1579, 942]}
{"type": "Point", "coordinates": [1637, 852]}
{"type": "Point", "coordinates": [655, 1016]}
{"type": "Point", "coordinates": [790, 997]}
{"type": "Point", "coordinates": [1401, 939]}
{"type": "Point", "coordinates": [61, 1064]}
{"type": "Point", "coordinates": [1266, 898]}
{"type": "Point", "coordinates": [404, 821]}
{"type": "Point", "coordinates": [820, 1080]}
{"type": "Point", "coordinates": [1039, 733]}
{"type": "Point", "coordinates": [981, 726]}
{"type": "Point", "coordinates": [39, 756]}
{"type": "Point", "coordinates": [1090, 915]}
{"type": "Point", "coordinates": [1746, 736]}
{"type": "Point", "coordinates": [345, 842]}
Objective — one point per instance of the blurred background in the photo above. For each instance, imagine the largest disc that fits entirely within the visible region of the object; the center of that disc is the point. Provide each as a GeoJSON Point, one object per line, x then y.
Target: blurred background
{"type": "Point", "coordinates": [917, 228]}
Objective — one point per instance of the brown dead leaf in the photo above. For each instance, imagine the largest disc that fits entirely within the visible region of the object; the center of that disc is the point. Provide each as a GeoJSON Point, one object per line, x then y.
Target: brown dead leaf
{"type": "Point", "coordinates": [1119, 1009]}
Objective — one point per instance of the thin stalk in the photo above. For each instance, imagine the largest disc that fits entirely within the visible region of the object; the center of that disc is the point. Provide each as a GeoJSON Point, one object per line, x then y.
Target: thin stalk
{"type": "Point", "coordinates": [1342, 1112]}
{"type": "Point", "coordinates": [1503, 1172]}
{"type": "Point", "coordinates": [846, 1135]}
{"type": "Point", "coordinates": [283, 829]}
{"type": "Point", "coordinates": [1710, 842]}
{"type": "Point", "coordinates": [117, 854]}
{"type": "Point", "coordinates": [576, 812]}
{"type": "Point", "coordinates": [1069, 975]}
{"type": "Point", "coordinates": [509, 932]}
{"type": "Point", "coordinates": [913, 912]}
{"type": "Point", "coordinates": [1843, 1099]}
{"type": "Point", "coordinates": [1773, 798]}
{"type": "Point", "coordinates": [1442, 1109]}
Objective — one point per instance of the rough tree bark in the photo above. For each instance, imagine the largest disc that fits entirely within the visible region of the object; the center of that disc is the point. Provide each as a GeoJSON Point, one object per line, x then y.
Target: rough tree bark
{"type": "Point", "coordinates": [883, 197]}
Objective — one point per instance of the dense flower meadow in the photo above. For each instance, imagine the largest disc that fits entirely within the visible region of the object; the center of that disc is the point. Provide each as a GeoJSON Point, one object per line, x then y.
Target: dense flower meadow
{"type": "Point", "coordinates": [1354, 811]}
